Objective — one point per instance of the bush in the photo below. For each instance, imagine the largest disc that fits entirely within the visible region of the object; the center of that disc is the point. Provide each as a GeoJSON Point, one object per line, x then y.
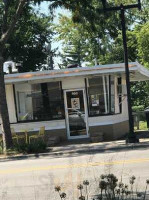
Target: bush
{"type": "Point", "coordinates": [138, 108]}
{"type": "Point", "coordinates": [1, 150]}
{"type": "Point", "coordinates": [35, 147]}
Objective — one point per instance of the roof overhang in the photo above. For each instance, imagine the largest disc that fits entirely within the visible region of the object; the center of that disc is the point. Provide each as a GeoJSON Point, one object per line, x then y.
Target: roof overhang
{"type": "Point", "coordinates": [137, 73]}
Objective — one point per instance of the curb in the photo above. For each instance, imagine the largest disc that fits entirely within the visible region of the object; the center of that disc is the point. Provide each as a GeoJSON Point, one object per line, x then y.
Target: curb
{"type": "Point", "coordinates": [90, 150]}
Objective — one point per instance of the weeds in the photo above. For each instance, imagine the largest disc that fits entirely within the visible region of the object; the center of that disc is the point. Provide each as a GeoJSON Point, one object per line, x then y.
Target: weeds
{"type": "Point", "coordinates": [109, 189]}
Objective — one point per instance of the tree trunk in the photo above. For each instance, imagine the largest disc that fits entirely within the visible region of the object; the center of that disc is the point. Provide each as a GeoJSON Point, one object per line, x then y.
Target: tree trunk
{"type": "Point", "coordinates": [5, 124]}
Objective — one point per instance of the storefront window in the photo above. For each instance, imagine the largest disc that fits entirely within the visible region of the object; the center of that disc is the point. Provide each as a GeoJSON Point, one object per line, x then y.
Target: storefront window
{"type": "Point", "coordinates": [97, 96]}
{"type": "Point", "coordinates": [42, 101]}
{"type": "Point", "coordinates": [119, 91]}
{"type": "Point", "coordinates": [101, 95]}
{"type": "Point", "coordinates": [112, 94]}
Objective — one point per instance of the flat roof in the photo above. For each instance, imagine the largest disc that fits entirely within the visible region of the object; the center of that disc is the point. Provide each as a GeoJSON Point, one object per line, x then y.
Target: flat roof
{"type": "Point", "coordinates": [137, 73]}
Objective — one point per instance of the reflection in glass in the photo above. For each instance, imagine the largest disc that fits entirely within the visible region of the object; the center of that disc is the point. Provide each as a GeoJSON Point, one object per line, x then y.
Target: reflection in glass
{"type": "Point", "coordinates": [42, 101]}
{"type": "Point", "coordinates": [101, 92]}
{"type": "Point", "coordinates": [76, 113]}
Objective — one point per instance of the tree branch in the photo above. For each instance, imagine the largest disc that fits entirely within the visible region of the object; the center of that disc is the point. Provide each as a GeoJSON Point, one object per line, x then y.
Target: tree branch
{"type": "Point", "coordinates": [6, 35]}
{"type": "Point", "coordinates": [5, 16]}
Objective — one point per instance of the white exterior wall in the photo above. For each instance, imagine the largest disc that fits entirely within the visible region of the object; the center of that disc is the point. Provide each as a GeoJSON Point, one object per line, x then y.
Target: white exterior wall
{"type": "Point", "coordinates": [67, 83]}
{"type": "Point", "coordinates": [11, 103]}
{"type": "Point", "coordinates": [124, 98]}
{"type": "Point", "coordinates": [73, 83]}
{"type": "Point", "coordinates": [24, 88]}
{"type": "Point", "coordinates": [35, 126]}
{"type": "Point", "coordinates": [116, 96]}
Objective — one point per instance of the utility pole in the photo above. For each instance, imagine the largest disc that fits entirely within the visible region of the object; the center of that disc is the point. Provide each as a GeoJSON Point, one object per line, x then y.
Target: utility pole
{"type": "Point", "coordinates": [131, 135]}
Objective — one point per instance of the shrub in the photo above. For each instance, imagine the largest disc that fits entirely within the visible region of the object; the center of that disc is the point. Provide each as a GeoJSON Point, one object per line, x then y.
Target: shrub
{"type": "Point", "coordinates": [1, 150]}
{"type": "Point", "coordinates": [138, 108]}
{"type": "Point", "coordinates": [38, 146]}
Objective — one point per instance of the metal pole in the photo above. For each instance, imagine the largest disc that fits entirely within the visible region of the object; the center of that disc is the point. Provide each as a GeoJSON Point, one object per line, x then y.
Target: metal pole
{"type": "Point", "coordinates": [131, 135]}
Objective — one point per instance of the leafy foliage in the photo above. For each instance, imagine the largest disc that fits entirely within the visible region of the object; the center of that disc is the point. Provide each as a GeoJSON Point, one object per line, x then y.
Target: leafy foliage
{"type": "Point", "coordinates": [28, 43]}
{"type": "Point", "coordinates": [140, 94]}
{"type": "Point", "coordinates": [143, 44]}
{"type": "Point", "coordinates": [73, 40]}
{"type": "Point", "coordinates": [101, 37]}
{"type": "Point", "coordinates": [37, 146]}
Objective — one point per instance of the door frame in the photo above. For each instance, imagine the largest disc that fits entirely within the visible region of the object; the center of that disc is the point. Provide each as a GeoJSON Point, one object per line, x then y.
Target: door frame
{"type": "Point", "coordinates": [67, 117]}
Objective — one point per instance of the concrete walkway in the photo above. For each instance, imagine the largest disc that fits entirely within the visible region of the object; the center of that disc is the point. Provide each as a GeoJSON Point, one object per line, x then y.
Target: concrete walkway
{"type": "Point", "coordinates": [74, 149]}
{"type": "Point", "coordinates": [69, 148]}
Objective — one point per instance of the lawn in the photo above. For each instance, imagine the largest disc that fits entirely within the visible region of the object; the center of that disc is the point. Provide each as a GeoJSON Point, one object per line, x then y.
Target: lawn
{"type": "Point", "coordinates": [142, 125]}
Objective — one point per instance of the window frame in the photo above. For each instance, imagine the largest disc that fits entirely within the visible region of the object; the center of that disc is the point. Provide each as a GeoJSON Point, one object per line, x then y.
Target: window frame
{"type": "Point", "coordinates": [109, 95]}
{"type": "Point", "coordinates": [36, 120]}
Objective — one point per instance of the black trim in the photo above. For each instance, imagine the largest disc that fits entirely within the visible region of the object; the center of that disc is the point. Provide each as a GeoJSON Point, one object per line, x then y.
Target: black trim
{"type": "Point", "coordinates": [119, 80]}
{"type": "Point", "coordinates": [15, 102]}
{"type": "Point", "coordinates": [109, 93]}
{"type": "Point", "coordinates": [45, 97]}
{"type": "Point", "coordinates": [26, 121]}
{"type": "Point", "coordinates": [87, 97]}
{"type": "Point", "coordinates": [108, 114]}
{"type": "Point", "coordinates": [62, 96]}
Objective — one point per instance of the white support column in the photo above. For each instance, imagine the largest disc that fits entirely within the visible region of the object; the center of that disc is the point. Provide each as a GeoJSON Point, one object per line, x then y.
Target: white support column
{"type": "Point", "coordinates": [11, 103]}
{"type": "Point", "coordinates": [105, 97]}
{"type": "Point", "coordinates": [116, 96]}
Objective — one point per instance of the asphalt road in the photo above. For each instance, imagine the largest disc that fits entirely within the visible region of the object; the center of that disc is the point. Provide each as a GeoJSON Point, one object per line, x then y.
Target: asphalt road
{"type": "Point", "coordinates": [35, 178]}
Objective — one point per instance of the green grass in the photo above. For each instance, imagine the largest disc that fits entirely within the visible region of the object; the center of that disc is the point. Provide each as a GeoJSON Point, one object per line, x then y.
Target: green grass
{"type": "Point", "coordinates": [142, 126]}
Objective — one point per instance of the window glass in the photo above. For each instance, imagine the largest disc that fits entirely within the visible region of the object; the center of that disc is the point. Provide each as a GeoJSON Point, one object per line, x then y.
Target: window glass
{"type": "Point", "coordinates": [101, 91]}
{"type": "Point", "coordinates": [97, 96]}
{"type": "Point", "coordinates": [119, 91]}
{"type": "Point", "coordinates": [112, 87]}
{"type": "Point", "coordinates": [24, 101]}
{"type": "Point", "coordinates": [42, 101]}
{"type": "Point", "coordinates": [56, 102]}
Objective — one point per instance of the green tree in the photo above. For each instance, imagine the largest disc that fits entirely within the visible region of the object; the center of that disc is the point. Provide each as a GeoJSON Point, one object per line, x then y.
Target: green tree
{"type": "Point", "coordinates": [28, 43]}
{"type": "Point", "coordinates": [10, 13]}
{"type": "Point", "coordinates": [104, 36]}
{"type": "Point", "coordinates": [143, 44]}
{"type": "Point", "coordinates": [104, 39]}
{"type": "Point", "coordinates": [7, 27]}
{"type": "Point", "coordinates": [140, 94]}
{"type": "Point", "coordinates": [73, 40]}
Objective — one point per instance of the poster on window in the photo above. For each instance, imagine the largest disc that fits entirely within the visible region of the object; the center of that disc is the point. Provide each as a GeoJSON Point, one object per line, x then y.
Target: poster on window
{"type": "Point", "coordinates": [94, 100]}
{"type": "Point", "coordinates": [75, 103]}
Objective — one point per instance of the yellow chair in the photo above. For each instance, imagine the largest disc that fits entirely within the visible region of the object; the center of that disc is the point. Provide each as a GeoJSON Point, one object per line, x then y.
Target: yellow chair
{"type": "Point", "coordinates": [17, 137]}
{"type": "Point", "coordinates": [26, 136]}
{"type": "Point", "coordinates": [40, 134]}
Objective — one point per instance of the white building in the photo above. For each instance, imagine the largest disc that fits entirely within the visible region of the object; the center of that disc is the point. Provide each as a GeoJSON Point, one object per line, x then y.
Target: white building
{"type": "Point", "coordinates": [72, 103]}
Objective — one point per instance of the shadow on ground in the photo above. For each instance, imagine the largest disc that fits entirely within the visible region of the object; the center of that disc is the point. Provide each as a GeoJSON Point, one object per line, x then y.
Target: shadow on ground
{"type": "Point", "coordinates": [84, 147]}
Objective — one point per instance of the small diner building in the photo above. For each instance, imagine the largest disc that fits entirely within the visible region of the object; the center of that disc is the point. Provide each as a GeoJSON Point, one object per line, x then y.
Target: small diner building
{"type": "Point", "coordinates": [72, 103]}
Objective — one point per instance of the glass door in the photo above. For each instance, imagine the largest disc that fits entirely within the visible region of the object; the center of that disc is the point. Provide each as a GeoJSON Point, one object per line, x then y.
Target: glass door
{"type": "Point", "coordinates": [76, 114]}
